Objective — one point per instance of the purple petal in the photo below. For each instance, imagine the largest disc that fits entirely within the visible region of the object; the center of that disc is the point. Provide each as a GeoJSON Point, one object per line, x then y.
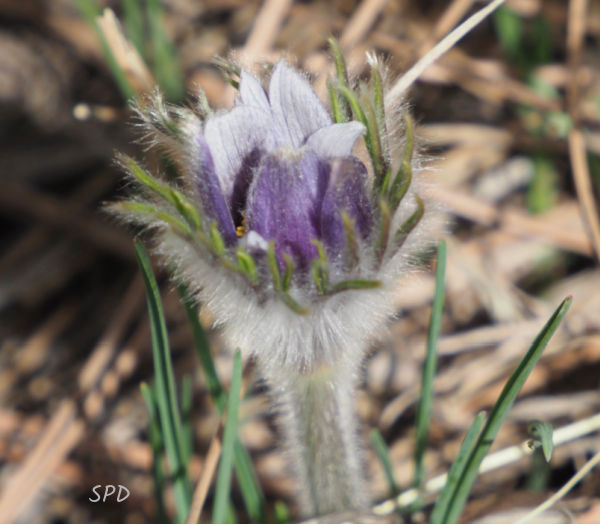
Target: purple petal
{"type": "Point", "coordinates": [347, 192]}
{"type": "Point", "coordinates": [335, 140]}
{"type": "Point", "coordinates": [252, 93]}
{"type": "Point", "coordinates": [234, 136]}
{"type": "Point", "coordinates": [209, 190]}
{"type": "Point", "coordinates": [284, 203]}
{"type": "Point", "coordinates": [296, 107]}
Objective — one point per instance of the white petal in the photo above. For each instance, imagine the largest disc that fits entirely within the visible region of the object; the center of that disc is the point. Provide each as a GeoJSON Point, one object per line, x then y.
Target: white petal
{"type": "Point", "coordinates": [232, 136]}
{"type": "Point", "coordinates": [253, 241]}
{"type": "Point", "coordinates": [252, 93]}
{"type": "Point", "coordinates": [295, 105]}
{"type": "Point", "coordinates": [335, 140]}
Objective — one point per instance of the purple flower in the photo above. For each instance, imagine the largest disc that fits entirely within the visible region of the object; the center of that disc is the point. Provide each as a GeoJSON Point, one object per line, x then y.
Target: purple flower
{"type": "Point", "coordinates": [293, 244]}
{"type": "Point", "coordinates": [273, 201]}
{"type": "Point", "coordinates": [275, 168]}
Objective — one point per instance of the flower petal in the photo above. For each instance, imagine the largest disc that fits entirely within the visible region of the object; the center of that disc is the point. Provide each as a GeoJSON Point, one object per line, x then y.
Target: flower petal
{"type": "Point", "coordinates": [232, 137]}
{"type": "Point", "coordinates": [347, 192]}
{"type": "Point", "coordinates": [284, 202]}
{"type": "Point", "coordinates": [335, 140]}
{"type": "Point", "coordinates": [252, 93]}
{"type": "Point", "coordinates": [209, 190]}
{"type": "Point", "coordinates": [295, 105]}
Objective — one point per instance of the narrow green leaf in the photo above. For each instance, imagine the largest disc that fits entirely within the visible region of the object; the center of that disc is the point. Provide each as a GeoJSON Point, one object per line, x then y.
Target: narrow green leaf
{"type": "Point", "coordinates": [247, 265]}
{"type": "Point", "coordinates": [499, 412]}
{"type": "Point", "coordinates": [90, 10]}
{"type": "Point", "coordinates": [166, 397]}
{"type": "Point", "coordinates": [167, 67]}
{"type": "Point", "coordinates": [424, 407]}
{"type": "Point", "coordinates": [289, 270]}
{"type": "Point", "coordinates": [542, 432]}
{"type": "Point", "coordinates": [456, 470]}
{"type": "Point", "coordinates": [247, 480]}
{"type": "Point", "coordinates": [335, 101]}
{"type": "Point", "coordinates": [229, 70]}
{"type": "Point", "coordinates": [343, 110]}
{"type": "Point", "coordinates": [157, 446]}
{"type": "Point", "coordinates": [352, 247]}
{"type": "Point", "coordinates": [403, 176]}
{"type": "Point", "coordinates": [274, 266]}
{"type": "Point", "coordinates": [320, 268]}
{"type": "Point", "coordinates": [410, 223]}
{"type": "Point", "coordinates": [187, 210]}
{"type": "Point", "coordinates": [133, 20]}
{"type": "Point", "coordinates": [378, 104]}
{"type": "Point", "coordinates": [371, 136]}
{"type": "Point", "coordinates": [224, 474]}
{"type": "Point", "coordinates": [216, 240]}
{"type": "Point", "coordinates": [374, 137]}
{"type": "Point", "coordinates": [186, 416]}
{"type": "Point", "coordinates": [146, 209]}
{"type": "Point", "coordinates": [282, 513]}
{"type": "Point", "coordinates": [355, 284]}
{"type": "Point", "coordinates": [384, 457]}
{"type": "Point", "coordinates": [385, 220]}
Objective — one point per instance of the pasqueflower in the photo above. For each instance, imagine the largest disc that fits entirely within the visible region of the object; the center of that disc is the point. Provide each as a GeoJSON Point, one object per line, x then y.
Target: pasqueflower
{"type": "Point", "coordinates": [294, 241]}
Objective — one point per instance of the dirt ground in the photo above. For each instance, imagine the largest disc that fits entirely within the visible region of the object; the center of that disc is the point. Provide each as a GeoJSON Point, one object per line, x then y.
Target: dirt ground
{"type": "Point", "coordinates": [509, 126]}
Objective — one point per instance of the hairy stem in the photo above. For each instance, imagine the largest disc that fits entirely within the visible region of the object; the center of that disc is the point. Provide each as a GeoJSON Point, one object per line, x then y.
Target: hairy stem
{"type": "Point", "coordinates": [317, 419]}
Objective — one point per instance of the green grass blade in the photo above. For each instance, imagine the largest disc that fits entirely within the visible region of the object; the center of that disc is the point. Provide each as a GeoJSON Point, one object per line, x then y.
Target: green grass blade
{"type": "Point", "coordinates": [133, 20]}
{"type": "Point", "coordinates": [187, 393]}
{"type": "Point", "coordinates": [429, 367]}
{"type": "Point", "coordinates": [156, 444]}
{"type": "Point", "coordinates": [384, 457]}
{"type": "Point", "coordinates": [456, 470]}
{"type": "Point", "coordinates": [167, 67]}
{"type": "Point", "coordinates": [247, 479]}
{"type": "Point", "coordinates": [542, 432]}
{"type": "Point", "coordinates": [223, 485]}
{"type": "Point", "coordinates": [499, 412]}
{"type": "Point", "coordinates": [90, 10]}
{"type": "Point", "coordinates": [166, 397]}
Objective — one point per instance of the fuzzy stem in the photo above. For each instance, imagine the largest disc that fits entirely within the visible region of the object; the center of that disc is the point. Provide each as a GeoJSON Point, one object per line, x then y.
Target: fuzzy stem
{"type": "Point", "coordinates": [318, 422]}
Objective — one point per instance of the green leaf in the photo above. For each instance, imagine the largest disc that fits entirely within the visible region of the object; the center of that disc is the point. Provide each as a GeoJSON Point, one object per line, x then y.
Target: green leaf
{"type": "Point", "coordinates": [320, 268]}
{"type": "Point", "coordinates": [247, 480]}
{"type": "Point", "coordinates": [289, 270]}
{"type": "Point", "coordinates": [157, 446]}
{"type": "Point", "coordinates": [384, 457]}
{"type": "Point", "coordinates": [282, 513]}
{"type": "Point", "coordinates": [90, 10]}
{"type": "Point", "coordinates": [355, 284]}
{"type": "Point", "coordinates": [340, 107]}
{"type": "Point", "coordinates": [424, 407]}
{"type": "Point", "coordinates": [456, 470]}
{"type": "Point", "coordinates": [247, 265]}
{"type": "Point", "coordinates": [410, 223]}
{"type": "Point", "coordinates": [166, 397]}
{"type": "Point", "coordinates": [274, 266]}
{"type": "Point", "coordinates": [509, 28]}
{"type": "Point", "coordinates": [499, 412]}
{"type": "Point", "coordinates": [542, 194]}
{"type": "Point", "coordinates": [216, 240]}
{"type": "Point", "coordinates": [167, 67]}
{"type": "Point", "coordinates": [371, 136]}
{"type": "Point", "coordinates": [146, 209]}
{"type": "Point", "coordinates": [133, 20]}
{"type": "Point", "coordinates": [186, 415]}
{"type": "Point", "coordinates": [187, 210]}
{"type": "Point", "coordinates": [542, 432]}
{"type": "Point", "coordinates": [224, 474]}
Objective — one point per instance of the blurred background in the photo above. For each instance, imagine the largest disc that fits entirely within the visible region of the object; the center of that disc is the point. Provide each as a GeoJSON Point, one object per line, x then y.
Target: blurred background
{"type": "Point", "coordinates": [509, 126]}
